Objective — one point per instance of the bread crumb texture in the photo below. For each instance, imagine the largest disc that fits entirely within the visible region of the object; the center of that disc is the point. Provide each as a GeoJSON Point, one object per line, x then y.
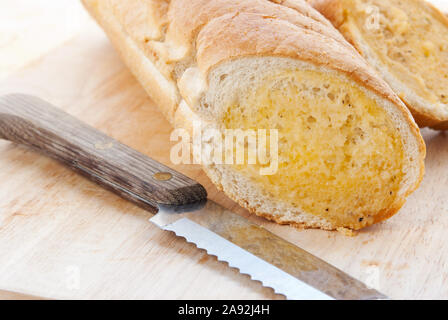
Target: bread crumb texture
{"type": "Point", "coordinates": [340, 157]}
{"type": "Point", "coordinates": [410, 39]}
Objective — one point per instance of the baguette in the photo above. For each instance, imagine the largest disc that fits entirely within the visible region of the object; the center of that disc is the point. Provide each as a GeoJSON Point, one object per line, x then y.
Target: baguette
{"type": "Point", "coordinates": [349, 151]}
{"type": "Point", "coordinates": [407, 42]}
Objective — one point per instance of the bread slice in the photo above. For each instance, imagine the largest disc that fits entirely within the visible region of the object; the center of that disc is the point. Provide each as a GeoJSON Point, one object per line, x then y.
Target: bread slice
{"type": "Point", "coordinates": [349, 151]}
{"type": "Point", "coordinates": [407, 42]}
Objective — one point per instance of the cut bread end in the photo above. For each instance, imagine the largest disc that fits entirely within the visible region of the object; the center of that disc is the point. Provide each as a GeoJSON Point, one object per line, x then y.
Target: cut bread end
{"type": "Point", "coordinates": [407, 42]}
{"type": "Point", "coordinates": [347, 158]}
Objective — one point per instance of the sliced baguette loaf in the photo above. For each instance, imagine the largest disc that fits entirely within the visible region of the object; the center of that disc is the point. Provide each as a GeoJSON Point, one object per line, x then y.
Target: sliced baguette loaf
{"type": "Point", "coordinates": [349, 151]}
{"type": "Point", "coordinates": [407, 42]}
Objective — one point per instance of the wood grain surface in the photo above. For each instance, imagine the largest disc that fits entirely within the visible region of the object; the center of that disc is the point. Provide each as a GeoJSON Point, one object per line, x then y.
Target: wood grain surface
{"type": "Point", "coordinates": [33, 122]}
{"type": "Point", "coordinates": [62, 236]}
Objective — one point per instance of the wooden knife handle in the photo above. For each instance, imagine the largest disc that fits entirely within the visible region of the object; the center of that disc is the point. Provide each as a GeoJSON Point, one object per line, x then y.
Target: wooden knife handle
{"type": "Point", "coordinates": [35, 123]}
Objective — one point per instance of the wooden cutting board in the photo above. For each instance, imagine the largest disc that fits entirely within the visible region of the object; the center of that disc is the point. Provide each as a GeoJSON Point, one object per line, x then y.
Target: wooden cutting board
{"type": "Point", "coordinates": [63, 237]}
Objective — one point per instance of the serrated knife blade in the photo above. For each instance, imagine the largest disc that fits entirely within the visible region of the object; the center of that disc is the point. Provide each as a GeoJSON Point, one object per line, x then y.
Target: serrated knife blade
{"type": "Point", "coordinates": [257, 252]}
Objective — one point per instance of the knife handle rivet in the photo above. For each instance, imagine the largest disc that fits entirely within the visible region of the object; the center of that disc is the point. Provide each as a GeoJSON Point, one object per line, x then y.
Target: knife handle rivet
{"type": "Point", "coordinates": [162, 176]}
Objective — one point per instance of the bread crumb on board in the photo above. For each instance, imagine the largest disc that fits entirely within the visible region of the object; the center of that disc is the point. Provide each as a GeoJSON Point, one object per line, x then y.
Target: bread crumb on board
{"type": "Point", "coordinates": [347, 232]}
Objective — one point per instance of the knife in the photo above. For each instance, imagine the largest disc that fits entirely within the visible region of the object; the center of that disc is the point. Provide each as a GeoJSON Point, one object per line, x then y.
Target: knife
{"type": "Point", "coordinates": [179, 203]}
